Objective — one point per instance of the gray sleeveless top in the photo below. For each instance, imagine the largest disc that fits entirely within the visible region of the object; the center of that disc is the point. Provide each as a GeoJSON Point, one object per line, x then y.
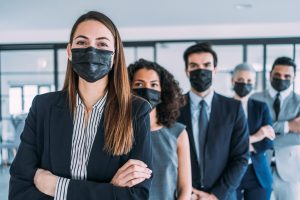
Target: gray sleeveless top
{"type": "Point", "coordinates": [165, 162]}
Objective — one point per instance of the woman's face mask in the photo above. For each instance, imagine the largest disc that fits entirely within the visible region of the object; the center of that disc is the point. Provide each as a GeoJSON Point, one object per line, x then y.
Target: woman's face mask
{"type": "Point", "coordinates": [90, 63]}
{"type": "Point", "coordinates": [152, 96]}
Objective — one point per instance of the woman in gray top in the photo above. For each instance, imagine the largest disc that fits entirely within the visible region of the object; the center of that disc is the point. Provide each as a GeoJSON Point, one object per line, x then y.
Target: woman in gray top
{"type": "Point", "coordinates": [171, 156]}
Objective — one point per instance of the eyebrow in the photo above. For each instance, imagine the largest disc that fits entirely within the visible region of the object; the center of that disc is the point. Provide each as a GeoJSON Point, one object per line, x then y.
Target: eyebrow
{"type": "Point", "coordinates": [99, 38]}
{"type": "Point", "coordinates": [144, 81]}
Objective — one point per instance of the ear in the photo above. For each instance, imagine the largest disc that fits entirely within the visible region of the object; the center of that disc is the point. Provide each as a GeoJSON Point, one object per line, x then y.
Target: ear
{"type": "Point", "coordinates": [232, 81]}
{"type": "Point", "coordinates": [69, 52]}
{"type": "Point", "coordinates": [215, 70]}
{"type": "Point", "coordinates": [187, 73]}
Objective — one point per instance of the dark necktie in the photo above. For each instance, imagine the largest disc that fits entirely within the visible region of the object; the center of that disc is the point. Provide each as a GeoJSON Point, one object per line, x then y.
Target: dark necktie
{"type": "Point", "coordinates": [203, 124]}
{"type": "Point", "coordinates": [276, 105]}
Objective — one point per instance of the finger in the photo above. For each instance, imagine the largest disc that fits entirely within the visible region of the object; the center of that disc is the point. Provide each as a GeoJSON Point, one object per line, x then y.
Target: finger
{"type": "Point", "coordinates": [135, 168]}
{"type": "Point", "coordinates": [194, 197]}
{"type": "Point", "coordinates": [134, 182]}
{"type": "Point", "coordinates": [132, 162]}
{"type": "Point", "coordinates": [135, 175]}
{"type": "Point", "coordinates": [195, 191]}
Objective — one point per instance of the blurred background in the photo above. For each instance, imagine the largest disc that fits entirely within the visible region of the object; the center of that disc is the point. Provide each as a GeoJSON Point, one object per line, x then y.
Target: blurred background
{"type": "Point", "coordinates": [33, 37]}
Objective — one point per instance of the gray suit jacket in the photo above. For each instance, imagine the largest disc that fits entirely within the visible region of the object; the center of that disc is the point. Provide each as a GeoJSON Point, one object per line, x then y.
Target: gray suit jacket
{"type": "Point", "coordinates": [286, 144]}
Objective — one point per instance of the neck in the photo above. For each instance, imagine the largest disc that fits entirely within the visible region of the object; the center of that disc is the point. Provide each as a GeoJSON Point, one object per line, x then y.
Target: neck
{"type": "Point", "coordinates": [202, 94]}
{"type": "Point", "coordinates": [92, 92]}
{"type": "Point", "coordinates": [153, 120]}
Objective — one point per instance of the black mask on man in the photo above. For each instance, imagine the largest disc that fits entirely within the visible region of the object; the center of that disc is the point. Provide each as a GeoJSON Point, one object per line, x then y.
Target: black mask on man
{"type": "Point", "coordinates": [242, 89]}
{"type": "Point", "coordinates": [280, 84]}
{"type": "Point", "coordinates": [201, 79]}
{"type": "Point", "coordinates": [152, 96]}
{"type": "Point", "coordinates": [90, 63]}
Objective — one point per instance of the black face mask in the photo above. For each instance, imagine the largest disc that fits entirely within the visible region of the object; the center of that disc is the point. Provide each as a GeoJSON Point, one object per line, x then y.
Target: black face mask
{"type": "Point", "coordinates": [280, 84]}
{"type": "Point", "coordinates": [201, 79]}
{"type": "Point", "coordinates": [152, 96]}
{"type": "Point", "coordinates": [90, 63]}
{"type": "Point", "coordinates": [242, 89]}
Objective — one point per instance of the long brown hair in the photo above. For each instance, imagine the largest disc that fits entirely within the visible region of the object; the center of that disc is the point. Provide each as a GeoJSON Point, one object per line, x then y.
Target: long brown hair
{"type": "Point", "coordinates": [117, 113]}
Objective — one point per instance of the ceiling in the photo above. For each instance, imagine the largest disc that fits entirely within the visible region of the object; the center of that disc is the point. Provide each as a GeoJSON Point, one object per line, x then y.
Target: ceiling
{"type": "Point", "coordinates": [61, 14]}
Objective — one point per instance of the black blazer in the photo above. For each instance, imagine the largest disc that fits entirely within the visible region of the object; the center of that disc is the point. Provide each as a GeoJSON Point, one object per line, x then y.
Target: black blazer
{"type": "Point", "coordinates": [226, 147]}
{"type": "Point", "coordinates": [46, 143]}
{"type": "Point", "coordinates": [258, 116]}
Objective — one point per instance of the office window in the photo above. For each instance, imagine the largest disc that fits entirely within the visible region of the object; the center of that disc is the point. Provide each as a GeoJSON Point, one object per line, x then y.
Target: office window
{"type": "Point", "coordinates": [145, 53]}
{"type": "Point", "coordinates": [15, 100]}
{"type": "Point", "coordinates": [297, 78]}
{"type": "Point", "coordinates": [27, 68]}
{"type": "Point", "coordinates": [228, 57]}
{"type": "Point", "coordinates": [170, 56]}
{"type": "Point", "coordinates": [130, 55]}
{"type": "Point", "coordinates": [62, 67]}
{"type": "Point", "coordinates": [256, 59]}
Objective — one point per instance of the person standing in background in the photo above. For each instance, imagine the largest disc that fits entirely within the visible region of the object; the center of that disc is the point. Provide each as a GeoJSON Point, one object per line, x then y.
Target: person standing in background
{"type": "Point", "coordinates": [284, 105]}
{"type": "Point", "coordinates": [257, 182]}
{"type": "Point", "coordinates": [217, 129]}
{"type": "Point", "coordinates": [170, 143]}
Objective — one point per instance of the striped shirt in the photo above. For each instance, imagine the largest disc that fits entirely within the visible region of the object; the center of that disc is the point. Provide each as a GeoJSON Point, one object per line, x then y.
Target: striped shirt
{"type": "Point", "coordinates": [82, 142]}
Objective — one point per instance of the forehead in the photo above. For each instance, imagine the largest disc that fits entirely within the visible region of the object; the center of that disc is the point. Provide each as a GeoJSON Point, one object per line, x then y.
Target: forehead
{"type": "Point", "coordinates": [93, 29]}
{"type": "Point", "coordinates": [285, 69]}
{"type": "Point", "coordinates": [146, 74]}
{"type": "Point", "coordinates": [200, 57]}
{"type": "Point", "coordinates": [244, 74]}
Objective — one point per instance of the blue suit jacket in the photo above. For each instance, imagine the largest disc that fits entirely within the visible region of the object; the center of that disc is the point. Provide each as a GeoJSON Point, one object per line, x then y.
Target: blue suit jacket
{"type": "Point", "coordinates": [46, 143]}
{"type": "Point", "coordinates": [258, 116]}
{"type": "Point", "coordinates": [226, 146]}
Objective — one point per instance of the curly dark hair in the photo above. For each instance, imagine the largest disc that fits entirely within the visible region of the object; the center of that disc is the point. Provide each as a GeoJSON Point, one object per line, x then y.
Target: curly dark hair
{"type": "Point", "coordinates": [172, 98]}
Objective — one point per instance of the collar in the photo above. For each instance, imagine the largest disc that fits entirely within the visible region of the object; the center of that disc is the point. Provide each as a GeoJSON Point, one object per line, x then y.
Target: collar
{"type": "Point", "coordinates": [98, 105]}
{"type": "Point", "coordinates": [195, 99]}
{"type": "Point", "coordinates": [283, 94]}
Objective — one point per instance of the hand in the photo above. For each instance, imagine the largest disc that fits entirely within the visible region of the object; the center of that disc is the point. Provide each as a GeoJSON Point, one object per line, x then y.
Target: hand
{"type": "Point", "coordinates": [131, 173]}
{"type": "Point", "coordinates": [45, 182]}
{"type": "Point", "coordinates": [195, 194]}
{"type": "Point", "coordinates": [251, 148]}
{"type": "Point", "coordinates": [200, 195]}
{"type": "Point", "coordinates": [265, 132]}
{"type": "Point", "coordinates": [294, 125]}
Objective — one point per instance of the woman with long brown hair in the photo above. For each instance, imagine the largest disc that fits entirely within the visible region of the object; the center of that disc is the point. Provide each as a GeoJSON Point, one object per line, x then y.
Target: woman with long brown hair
{"type": "Point", "coordinates": [91, 140]}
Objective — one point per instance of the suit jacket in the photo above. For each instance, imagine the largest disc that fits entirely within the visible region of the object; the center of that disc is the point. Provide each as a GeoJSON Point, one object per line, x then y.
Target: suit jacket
{"type": "Point", "coordinates": [46, 143]}
{"type": "Point", "coordinates": [259, 116]}
{"type": "Point", "coordinates": [226, 150]}
{"type": "Point", "coordinates": [286, 145]}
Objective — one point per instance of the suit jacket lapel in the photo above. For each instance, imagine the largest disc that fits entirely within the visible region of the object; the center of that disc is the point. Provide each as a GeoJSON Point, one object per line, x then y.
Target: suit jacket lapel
{"type": "Point", "coordinates": [215, 120]}
{"type": "Point", "coordinates": [188, 122]}
{"type": "Point", "coordinates": [61, 131]}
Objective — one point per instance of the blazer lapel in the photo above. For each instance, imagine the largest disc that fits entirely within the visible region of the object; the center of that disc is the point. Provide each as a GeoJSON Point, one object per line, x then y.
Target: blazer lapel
{"type": "Point", "coordinates": [61, 131]}
{"type": "Point", "coordinates": [101, 164]}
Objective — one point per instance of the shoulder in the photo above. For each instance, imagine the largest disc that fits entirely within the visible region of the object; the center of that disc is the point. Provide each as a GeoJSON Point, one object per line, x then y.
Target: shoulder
{"type": "Point", "coordinates": [140, 106]}
{"type": "Point", "coordinates": [258, 104]}
{"type": "Point", "coordinates": [228, 101]}
{"type": "Point", "coordinates": [177, 128]}
{"type": "Point", "coordinates": [296, 97]}
{"type": "Point", "coordinates": [260, 96]}
{"type": "Point", "coordinates": [51, 98]}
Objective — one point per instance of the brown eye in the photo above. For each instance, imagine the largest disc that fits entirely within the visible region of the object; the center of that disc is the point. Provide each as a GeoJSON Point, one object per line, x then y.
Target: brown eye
{"type": "Point", "coordinates": [81, 43]}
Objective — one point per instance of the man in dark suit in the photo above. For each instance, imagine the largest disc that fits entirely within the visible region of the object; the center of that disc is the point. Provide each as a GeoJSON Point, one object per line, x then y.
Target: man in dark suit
{"type": "Point", "coordinates": [217, 129]}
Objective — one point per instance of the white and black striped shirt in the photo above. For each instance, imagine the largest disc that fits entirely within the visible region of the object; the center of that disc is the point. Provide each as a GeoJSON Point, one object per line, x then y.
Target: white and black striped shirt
{"type": "Point", "coordinates": [82, 142]}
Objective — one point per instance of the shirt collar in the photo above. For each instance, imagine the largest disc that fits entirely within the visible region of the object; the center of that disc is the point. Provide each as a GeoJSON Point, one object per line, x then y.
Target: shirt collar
{"type": "Point", "coordinates": [283, 94]}
{"type": "Point", "coordinates": [195, 99]}
{"type": "Point", "coordinates": [98, 105]}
